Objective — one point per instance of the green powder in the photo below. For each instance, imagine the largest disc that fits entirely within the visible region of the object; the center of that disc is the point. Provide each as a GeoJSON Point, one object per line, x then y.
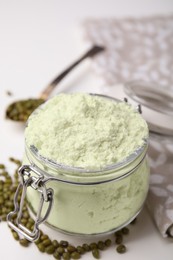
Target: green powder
{"type": "Point", "coordinates": [86, 131]}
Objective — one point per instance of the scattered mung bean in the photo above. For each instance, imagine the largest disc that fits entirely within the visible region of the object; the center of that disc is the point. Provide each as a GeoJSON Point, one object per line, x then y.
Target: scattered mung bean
{"type": "Point", "coordinates": [93, 246]}
{"type": "Point", "coordinates": [2, 166]}
{"type": "Point", "coordinates": [119, 239]}
{"type": "Point", "coordinates": [86, 247]}
{"type": "Point", "coordinates": [95, 253]}
{"type": "Point", "coordinates": [71, 249]}
{"type": "Point", "coordinates": [121, 249]}
{"type": "Point", "coordinates": [63, 243]}
{"type": "Point", "coordinates": [108, 243]}
{"type": "Point", "coordinates": [44, 237]}
{"type": "Point", "coordinates": [101, 245]}
{"type": "Point", "coordinates": [80, 250]}
{"type": "Point", "coordinates": [60, 250]}
{"type": "Point", "coordinates": [66, 256]}
{"type": "Point", "coordinates": [24, 242]}
{"type": "Point", "coordinates": [9, 93]}
{"type": "Point", "coordinates": [15, 235]}
{"type": "Point", "coordinates": [50, 249]}
{"type": "Point", "coordinates": [57, 255]}
{"type": "Point", "coordinates": [125, 231]}
{"type": "Point", "coordinates": [47, 242]}
{"type": "Point", "coordinates": [75, 255]}
{"type": "Point", "coordinates": [41, 248]}
{"type": "Point", "coordinates": [55, 243]}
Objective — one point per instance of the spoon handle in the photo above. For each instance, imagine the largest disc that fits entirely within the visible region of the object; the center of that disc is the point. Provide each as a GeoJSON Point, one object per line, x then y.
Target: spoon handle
{"type": "Point", "coordinates": [90, 53]}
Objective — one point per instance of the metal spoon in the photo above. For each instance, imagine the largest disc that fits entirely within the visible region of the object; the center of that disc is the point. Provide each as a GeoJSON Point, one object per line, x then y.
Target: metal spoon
{"type": "Point", "coordinates": [21, 110]}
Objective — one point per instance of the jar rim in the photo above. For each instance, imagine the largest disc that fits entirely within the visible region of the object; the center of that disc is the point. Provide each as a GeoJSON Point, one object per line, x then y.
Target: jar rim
{"type": "Point", "coordinates": [116, 166]}
{"type": "Point", "coordinates": [74, 169]}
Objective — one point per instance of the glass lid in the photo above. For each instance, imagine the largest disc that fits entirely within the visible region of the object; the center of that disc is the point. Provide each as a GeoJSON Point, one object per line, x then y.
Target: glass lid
{"type": "Point", "coordinates": [157, 105]}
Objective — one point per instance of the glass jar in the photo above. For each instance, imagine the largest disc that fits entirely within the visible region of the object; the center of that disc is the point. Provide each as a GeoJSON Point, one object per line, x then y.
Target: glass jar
{"type": "Point", "coordinates": [79, 201]}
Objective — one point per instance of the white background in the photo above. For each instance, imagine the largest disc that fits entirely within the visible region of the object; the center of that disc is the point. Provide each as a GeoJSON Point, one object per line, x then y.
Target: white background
{"type": "Point", "coordinates": [39, 38]}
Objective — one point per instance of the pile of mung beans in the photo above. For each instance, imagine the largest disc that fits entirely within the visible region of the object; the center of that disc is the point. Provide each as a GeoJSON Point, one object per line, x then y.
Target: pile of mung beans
{"type": "Point", "coordinates": [21, 110]}
{"type": "Point", "coordinates": [59, 249]}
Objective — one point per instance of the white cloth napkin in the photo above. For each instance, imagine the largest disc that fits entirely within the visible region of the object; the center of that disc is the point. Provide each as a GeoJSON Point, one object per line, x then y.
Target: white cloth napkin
{"type": "Point", "coordinates": [140, 49]}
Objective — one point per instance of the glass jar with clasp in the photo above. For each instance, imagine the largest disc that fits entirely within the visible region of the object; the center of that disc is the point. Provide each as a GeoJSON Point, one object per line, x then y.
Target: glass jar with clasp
{"type": "Point", "coordinates": [79, 201]}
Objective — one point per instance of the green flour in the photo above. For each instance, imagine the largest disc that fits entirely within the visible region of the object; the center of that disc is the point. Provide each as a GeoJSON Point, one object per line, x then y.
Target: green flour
{"type": "Point", "coordinates": [87, 131]}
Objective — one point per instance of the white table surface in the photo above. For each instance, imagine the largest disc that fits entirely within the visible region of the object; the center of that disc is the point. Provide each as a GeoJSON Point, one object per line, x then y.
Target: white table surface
{"type": "Point", "coordinates": [38, 38]}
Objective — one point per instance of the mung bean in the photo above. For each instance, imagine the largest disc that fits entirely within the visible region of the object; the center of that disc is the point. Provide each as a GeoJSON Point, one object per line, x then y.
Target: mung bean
{"type": "Point", "coordinates": [55, 243]}
{"type": "Point", "coordinates": [119, 239]}
{"type": "Point", "coordinates": [40, 247]}
{"type": "Point", "coordinates": [60, 250]}
{"type": "Point", "coordinates": [80, 250]}
{"type": "Point", "coordinates": [24, 242]}
{"type": "Point", "coordinates": [66, 256]}
{"type": "Point", "coordinates": [71, 249]}
{"type": "Point", "coordinates": [86, 247]}
{"type": "Point", "coordinates": [15, 235]}
{"type": "Point", "coordinates": [96, 253]}
{"type": "Point", "coordinates": [2, 166]}
{"type": "Point", "coordinates": [93, 246]}
{"type": "Point", "coordinates": [57, 256]}
{"type": "Point", "coordinates": [47, 242]}
{"type": "Point", "coordinates": [63, 243]}
{"type": "Point", "coordinates": [125, 231]}
{"type": "Point", "coordinates": [108, 242]}
{"type": "Point", "coordinates": [50, 249]}
{"type": "Point", "coordinates": [101, 245]}
{"type": "Point", "coordinates": [75, 255]}
{"type": "Point", "coordinates": [121, 249]}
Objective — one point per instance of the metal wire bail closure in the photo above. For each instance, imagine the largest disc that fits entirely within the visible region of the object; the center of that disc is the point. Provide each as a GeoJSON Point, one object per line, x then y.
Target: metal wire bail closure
{"type": "Point", "coordinates": [46, 196]}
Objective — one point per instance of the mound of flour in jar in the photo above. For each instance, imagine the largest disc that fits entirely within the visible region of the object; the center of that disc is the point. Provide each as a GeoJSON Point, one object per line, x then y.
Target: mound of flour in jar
{"type": "Point", "coordinates": [83, 130]}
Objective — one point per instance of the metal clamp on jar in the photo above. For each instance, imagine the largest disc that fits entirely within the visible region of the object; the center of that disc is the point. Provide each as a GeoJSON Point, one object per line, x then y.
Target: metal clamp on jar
{"type": "Point", "coordinates": [46, 196]}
